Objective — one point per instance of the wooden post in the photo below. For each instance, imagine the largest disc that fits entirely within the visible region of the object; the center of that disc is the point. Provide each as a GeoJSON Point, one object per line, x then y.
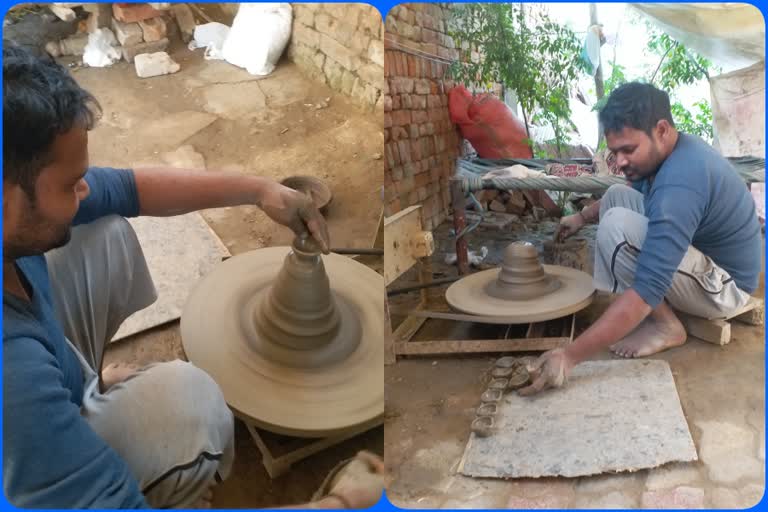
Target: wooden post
{"type": "Point", "coordinates": [459, 223]}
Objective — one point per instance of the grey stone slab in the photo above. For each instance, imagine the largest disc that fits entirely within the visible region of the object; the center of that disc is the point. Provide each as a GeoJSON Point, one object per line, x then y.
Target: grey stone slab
{"type": "Point", "coordinates": [179, 252]}
{"type": "Point", "coordinates": [611, 416]}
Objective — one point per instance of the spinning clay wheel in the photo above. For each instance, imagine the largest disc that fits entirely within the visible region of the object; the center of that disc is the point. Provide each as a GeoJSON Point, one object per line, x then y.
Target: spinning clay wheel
{"type": "Point", "coordinates": [294, 339]}
{"type": "Point", "coordinates": [522, 290]}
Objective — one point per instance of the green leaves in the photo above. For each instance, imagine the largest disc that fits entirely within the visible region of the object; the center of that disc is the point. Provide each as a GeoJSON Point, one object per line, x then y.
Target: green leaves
{"type": "Point", "coordinates": [522, 49]}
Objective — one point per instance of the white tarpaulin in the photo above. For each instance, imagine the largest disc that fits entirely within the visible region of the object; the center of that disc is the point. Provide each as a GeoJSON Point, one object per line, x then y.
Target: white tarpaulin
{"type": "Point", "coordinates": [738, 111]}
{"type": "Point", "coordinates": [731, 35]}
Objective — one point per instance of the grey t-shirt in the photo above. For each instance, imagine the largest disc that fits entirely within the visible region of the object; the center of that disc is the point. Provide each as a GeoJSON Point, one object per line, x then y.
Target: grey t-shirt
{"type": "Point", "coordinates": [697, 198]}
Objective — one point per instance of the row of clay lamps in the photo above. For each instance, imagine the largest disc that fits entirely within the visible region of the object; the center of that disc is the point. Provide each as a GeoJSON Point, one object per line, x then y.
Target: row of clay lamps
{"type": "Point", "coordinates": [508, 374]}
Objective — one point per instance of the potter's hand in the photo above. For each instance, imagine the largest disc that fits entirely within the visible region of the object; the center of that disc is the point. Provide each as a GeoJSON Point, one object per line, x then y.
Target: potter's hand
{"type": "Point", "coordinates": [569, 226]}
{"type": "Point", "coordinates": [361, 483]}
{"type": "Point", "coordinates": [551, 370]}
{"type": "Point", "coordinates": [296, 211]}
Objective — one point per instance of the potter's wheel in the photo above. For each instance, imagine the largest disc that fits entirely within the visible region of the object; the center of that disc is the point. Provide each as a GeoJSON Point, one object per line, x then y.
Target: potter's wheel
{"type": "Point", "coordinates": [522, 290]}
{"type": "Point", "coordinates": [302, 358]}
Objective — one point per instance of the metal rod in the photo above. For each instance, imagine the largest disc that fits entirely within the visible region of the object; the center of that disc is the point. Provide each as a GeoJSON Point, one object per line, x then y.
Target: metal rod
{"type": "Point", "coordinates": [421, 286]}
{"type": "Point", "coordinates": [459, 223]}
{"type": "Point", "coordinates": [350, 250]}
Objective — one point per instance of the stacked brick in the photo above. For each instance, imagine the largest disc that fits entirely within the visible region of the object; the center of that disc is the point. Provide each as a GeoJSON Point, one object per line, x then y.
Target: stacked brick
{"type": "Point", "coordinates": [421, 143]}
{"type": "Point", "coordinates": [139, 28]}
{"type": "Point", "coordinates": [341, 44]}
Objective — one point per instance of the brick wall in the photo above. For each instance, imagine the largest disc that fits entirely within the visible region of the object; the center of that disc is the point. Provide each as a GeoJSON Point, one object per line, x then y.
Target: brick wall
{"type": "Point", "coordinates": [421, 143]}
{"type": "Point", "coordinates": [341, 44]}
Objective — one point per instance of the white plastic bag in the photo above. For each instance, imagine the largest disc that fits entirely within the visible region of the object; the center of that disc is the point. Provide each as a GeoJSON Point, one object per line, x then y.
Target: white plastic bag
{"type": "Point", "coordinates": [259, 34]}
{"type": "Point", "coordinates": [210, 36]}
{"type": "Point", "coordinates": [102, 49]}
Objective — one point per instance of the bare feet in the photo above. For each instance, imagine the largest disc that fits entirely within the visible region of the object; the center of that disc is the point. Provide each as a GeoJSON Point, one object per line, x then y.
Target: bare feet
{"type": "Point", "coordinates": [115, 373]}
{"type": "Point", "coordinates": [650, 337]}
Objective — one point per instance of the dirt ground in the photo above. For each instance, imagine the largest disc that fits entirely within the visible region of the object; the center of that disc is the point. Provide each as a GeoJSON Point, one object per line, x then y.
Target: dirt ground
{"type": "Point", "coordinates": [430, 403]}
{"type": "Point", "coordinates": [276, 126]}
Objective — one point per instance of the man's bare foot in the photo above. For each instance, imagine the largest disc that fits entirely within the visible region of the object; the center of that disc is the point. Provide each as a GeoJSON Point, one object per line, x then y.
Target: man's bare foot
{"type": "Point", "coordinates": [117, 372]}
{"type": "Point", "coordinates": [651, 337]}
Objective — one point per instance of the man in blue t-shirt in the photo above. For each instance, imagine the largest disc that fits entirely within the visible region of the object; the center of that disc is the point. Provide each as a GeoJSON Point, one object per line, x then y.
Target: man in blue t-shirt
{"type": "Point", "coordinates": [73, 270]}
{"type": "Point", "coordinates": [684, 235]}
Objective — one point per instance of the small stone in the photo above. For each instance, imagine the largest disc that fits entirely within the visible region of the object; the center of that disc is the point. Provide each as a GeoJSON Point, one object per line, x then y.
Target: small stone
{"type": "Point", "coordinates": [130, 52]}
{"type": "Point", "coordinates": [680, 497]}
{"type": "Point", "coordinates": [53, 49]}
{"type": "Point", "coordinates": [74, 45]}
{"type": "Point", "coordinates": [128, 34]}
{"type": "Point", "coordinates": [185, 20]}
{"type": "Point", "coordinates": [155, 64]}
{"type": "Point", "coordinates": [153, 29]}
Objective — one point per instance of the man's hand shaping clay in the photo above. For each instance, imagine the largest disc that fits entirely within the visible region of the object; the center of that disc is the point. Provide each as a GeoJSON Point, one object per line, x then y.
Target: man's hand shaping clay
{"type": "Point", "coordinates": [296, 211]}
{"type": "Point", "coordinates": [550, 370]}
{"type": "Point", "coordinates": [569, 226]}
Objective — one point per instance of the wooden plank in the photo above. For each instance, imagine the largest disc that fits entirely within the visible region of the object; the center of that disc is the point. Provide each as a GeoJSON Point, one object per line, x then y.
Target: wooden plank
{"type": "Point", "coordinates": [389, 338]}
{"type": "Point", "coordinates": [753, 313]}
{"type": "Point", "coordinates": [404, 242]}
{"type": "Point", "coordinates": [712, 331]}
{"type": "Point", "coordinates": [406, 330]}
{"type": "Point", "coordinates": [444, 347]}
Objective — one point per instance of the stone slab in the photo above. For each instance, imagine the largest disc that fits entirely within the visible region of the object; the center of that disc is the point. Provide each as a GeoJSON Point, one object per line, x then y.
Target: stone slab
{"type": "Point", "coordinates": [611, 416]}
{"type": "Point", "coordinates": [179, 251]}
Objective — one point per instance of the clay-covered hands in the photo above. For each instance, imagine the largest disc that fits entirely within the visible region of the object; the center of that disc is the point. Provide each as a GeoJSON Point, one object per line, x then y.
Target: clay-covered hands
{"type": "Point", "coordinates": [550, 370]}
{"type": "Point", "coordinates": [569, 226]}
{"type": "Point", "coordinates": [296, 211]}
{"type": "Point", "coordinates": [361, 483]}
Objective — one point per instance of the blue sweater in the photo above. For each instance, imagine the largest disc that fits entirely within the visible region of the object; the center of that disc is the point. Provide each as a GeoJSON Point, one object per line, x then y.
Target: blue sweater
{"type": "Point", "coordinates": [51, 456]}
{"type": "Point", "coordinates": [697, 199]}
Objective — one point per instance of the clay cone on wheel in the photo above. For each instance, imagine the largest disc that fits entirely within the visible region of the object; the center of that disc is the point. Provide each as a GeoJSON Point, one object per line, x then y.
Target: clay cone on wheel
{"type": "Point", "coordinates": [521, 276]}
{"type": "Point", "coordinates": [300, 312]}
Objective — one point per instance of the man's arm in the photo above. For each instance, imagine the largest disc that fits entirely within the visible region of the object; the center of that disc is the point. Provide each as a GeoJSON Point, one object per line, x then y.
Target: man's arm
{"type": "Point", "coordinates": [165, 191]}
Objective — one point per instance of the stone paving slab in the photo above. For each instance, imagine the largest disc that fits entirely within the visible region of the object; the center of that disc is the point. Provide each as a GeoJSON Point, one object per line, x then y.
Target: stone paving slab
{"type": "Point", "coordinates": [179, 252]}
{"type": "Point", "coordinates": [611, 416]}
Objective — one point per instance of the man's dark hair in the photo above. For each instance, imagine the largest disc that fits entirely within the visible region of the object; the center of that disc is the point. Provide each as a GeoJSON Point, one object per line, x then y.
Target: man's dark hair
{"type": "Point", "coordinates": [40, 101]}
{"type": "Point", "coordinates": [635, 105]}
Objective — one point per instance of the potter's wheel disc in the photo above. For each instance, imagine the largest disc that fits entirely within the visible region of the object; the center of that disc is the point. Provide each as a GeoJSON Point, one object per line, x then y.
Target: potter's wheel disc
{"type": "Point", "coordinates": [469, 295]}
{"type": "Point", "coordinates": [304, 402]}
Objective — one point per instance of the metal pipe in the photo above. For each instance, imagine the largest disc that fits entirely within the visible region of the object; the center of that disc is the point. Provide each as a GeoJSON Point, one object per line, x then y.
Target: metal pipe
{"type": "Point", "coordinates": [421, 286]}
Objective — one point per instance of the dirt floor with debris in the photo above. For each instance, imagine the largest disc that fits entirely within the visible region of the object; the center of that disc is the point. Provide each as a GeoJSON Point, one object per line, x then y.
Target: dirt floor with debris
{"type": "Point", "coordinates": [430, 403]}
{"type": "Point", "coordinates": [285, 124]}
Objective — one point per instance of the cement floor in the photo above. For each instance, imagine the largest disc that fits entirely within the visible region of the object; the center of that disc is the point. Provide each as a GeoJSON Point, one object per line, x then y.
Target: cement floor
{"type": "Point", "coordinates": [430, 403]}
{"type": "Point", "coordinates": [268, 127]}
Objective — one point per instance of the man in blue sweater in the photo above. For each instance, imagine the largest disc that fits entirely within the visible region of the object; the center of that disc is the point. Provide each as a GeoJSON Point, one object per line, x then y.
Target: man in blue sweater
{"type": "Point", "coordinates": [72, 272]}
{"type": "Point", "coordinates": [685, 235]}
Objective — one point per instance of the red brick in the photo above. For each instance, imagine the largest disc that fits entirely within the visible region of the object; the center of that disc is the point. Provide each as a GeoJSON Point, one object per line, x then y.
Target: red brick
{"type": "Point", "coordinates": [404, 149]}
{"type": "Point", "coordinates": [154, 29]}
{"type": "Point", "coordinates": [429, 36]}
{"type": "Point", "coordinates": [405, 101]}
{"type": "Point", "coordinates": [419, 102]}
{"type": "Point", "coordinates": [419, 117]}
{"type": "Point", "coordinates": [433, 101]}
{"type": "Point", "coordinates": [413, 66]}
{"type": "Point", "coordinates": [396, 105]}
{"type": "Point", "coordinates": [416, 151]}
{"type": "Point", "coordinates": [387, 103]}
{"type": "Point", "coordinates": [429, 48]}
{"type": "Point", "coordinates": [389, 64]}
{"type": "Point", "coordinates": [422, 193]}
{"type": "Point", "coordinates": [414, 131]}
{"type": "Point", "coordinates": [403, 62]}
{"type": "Point", "coordinates": [421, 86]}
{"type": "Point", "coordinates": [387, 120]}
{"type": "Point", "coordinates": [413, 198]}
{"type": "Point", "coordinates": [401, 117]}
{"type": "Point", "coordinates": [422, 179]}
{"type": "Point", "coordinates": [409, 169]}
{"type": "Point", "coordinates": [398, 133]}
{"type": "Point", "coordinates": [131, 13]}
{"type": "Point", "coordinates": [397, 173]}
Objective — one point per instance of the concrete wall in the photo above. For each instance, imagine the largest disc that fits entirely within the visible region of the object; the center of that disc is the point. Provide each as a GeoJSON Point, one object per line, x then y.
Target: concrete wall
{"type": "Point", "coordinates": [341, 44]}
{"type": "Point", "coordinates": [421, 143]}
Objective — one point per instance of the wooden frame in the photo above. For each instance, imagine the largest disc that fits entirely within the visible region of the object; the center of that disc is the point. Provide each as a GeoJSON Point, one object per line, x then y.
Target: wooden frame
{"type": "Point", "coordinates": [279, 452]}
